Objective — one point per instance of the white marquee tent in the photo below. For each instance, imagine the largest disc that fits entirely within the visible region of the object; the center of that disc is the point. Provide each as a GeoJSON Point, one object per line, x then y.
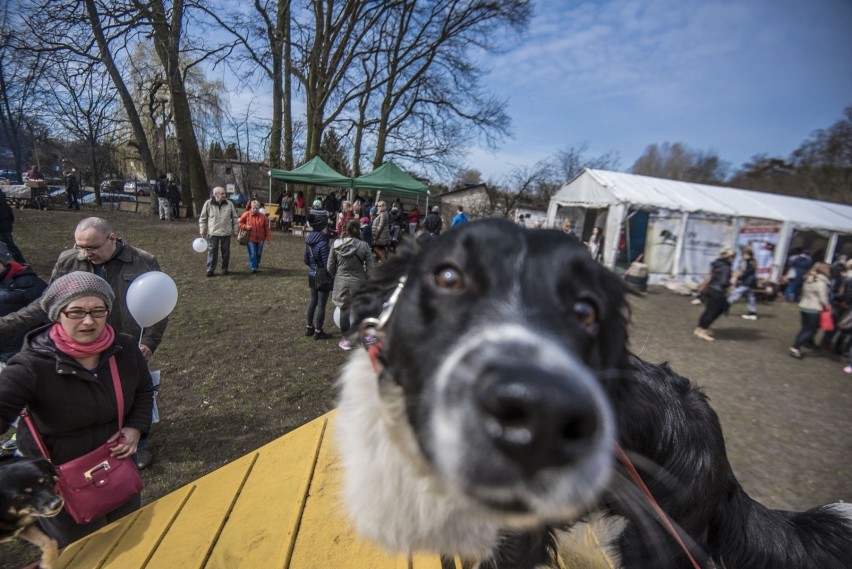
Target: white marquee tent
{"type": "Point", "coordinates": [691, 221]}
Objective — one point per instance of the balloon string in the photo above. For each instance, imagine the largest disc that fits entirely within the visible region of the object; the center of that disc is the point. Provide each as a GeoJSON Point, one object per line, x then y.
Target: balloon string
{"type": "Point", "coordinates": [141, 331]}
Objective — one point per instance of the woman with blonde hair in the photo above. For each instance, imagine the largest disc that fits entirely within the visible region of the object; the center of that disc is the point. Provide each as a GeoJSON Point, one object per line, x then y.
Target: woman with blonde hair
{"type": "Point", "coordinates": [717, 293]}
{"type": "Point", "coordinates": [814, 300]}
{"type": "Point", "coordinates": [257, 224]}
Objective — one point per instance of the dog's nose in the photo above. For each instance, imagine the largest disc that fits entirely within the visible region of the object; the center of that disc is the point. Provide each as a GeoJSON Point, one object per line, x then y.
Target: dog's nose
{"type": "Point", "coordinates": [538, 419]}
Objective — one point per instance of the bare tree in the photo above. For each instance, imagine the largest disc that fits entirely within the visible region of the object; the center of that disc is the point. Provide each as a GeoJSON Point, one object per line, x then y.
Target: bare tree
{"type": "Point", "coordinates": [20, 75]}
{"type": "Point", "coordinates": [678, 162]}
{"type": "Point", "coordinates": [86, 109]}
{"type": "Point", "coordinates": [824, 161]}
{"type": "Point", "coordinates": [427, 90]}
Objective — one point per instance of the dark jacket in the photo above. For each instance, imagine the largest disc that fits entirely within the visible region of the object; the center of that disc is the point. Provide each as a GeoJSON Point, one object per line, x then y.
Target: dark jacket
{"type": "Point", "coordinates": [749, 275]}
{"type": "Point", "coordinates": [19, 286]}
{"type": "Point", "coordinates": [7, 216]}
{"type": "Point", "coordinates": [316, 252]}
{"type": "Point", "coordinates": [433, 223]}
{"type": "Point", "coordinates": [74, 410]}
{"type": "Point", "coordinates": [119, 272]}
{"type": "Point", "coordinates": [161, 188]}
{"type": "Point", "coordinates": [71, 184]}
{"type": "Point", "coordinates": [720, 276]}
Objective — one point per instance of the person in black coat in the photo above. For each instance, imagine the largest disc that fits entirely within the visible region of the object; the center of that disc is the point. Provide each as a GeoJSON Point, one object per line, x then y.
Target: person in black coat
{"type": "Point", "coordinates": [717, 293]}
{"type": "Point", "coordinates": [19, 286]}
{"type": "Point", "coordinates": [72, 190]}
{"type": "Point", "coordinates": [7, 222]}
{"type": "Point", "coordinates": [64, 378]}
{"type": "Point", "coordinates": [433, 222]}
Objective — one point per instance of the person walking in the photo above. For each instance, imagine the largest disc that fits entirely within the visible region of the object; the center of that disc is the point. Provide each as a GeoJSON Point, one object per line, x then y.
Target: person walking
{"type": "Point", "coordinates": [65, 377]}
{"type": "Point", "coordinates": [746, 282]}
{"type": "Point", "coordinates": [99, 250]}
{"type": "Point", "coordinates": [716, 295]}
{"type": "Point", "coordinates": [161, 188]}
{"type": "Point", "coordinates": [72, 190]}
{"type": "Point", "coordinates": [349, 263]}
{"type": "Point", "coordinates": [813, 301]}
{"type": "Point", "coordinates": [174, 199]}
{"type": "Point", "coordinates": [217, 223]}
{"type": "Point", "coordinates": [257, 224]}
{"type": "Point", "coordinates": [7, 223]}
{"type": "Point", "coordinates": [316, 255]}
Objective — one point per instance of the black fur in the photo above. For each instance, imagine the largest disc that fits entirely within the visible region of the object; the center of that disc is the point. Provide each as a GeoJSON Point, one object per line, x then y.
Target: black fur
{"type": "Point", "coordinates": [545, 282]}
{"type": "Point", "coordinates": [27, 491]}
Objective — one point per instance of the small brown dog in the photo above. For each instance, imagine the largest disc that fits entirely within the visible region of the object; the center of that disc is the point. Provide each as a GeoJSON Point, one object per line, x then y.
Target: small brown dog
{"type": "Point", "coordinates": [28, 492]}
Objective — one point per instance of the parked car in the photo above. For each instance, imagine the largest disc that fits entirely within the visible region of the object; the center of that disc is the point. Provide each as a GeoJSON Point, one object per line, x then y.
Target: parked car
{"type": "Point", "coordinates": [108, 197]}
{"type": "Point", "coordinates": [112, 186]}
{"type": "Point", "coordinates": [138, 188]}
{"type": "Point", "coordinates": [11, 175]}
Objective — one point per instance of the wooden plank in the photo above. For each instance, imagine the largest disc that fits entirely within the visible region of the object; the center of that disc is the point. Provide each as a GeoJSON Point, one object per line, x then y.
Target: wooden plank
{"type": "Point", "coordinates": [326, 538]}
{"type": "Point", "coordinates": [92, 552]}
{"type": "Point", "coordinates": [197, 526]}
{"type": "Point", "coordinates": [262, 527]}
{"type": "Point", "coordinates": [425, 561]}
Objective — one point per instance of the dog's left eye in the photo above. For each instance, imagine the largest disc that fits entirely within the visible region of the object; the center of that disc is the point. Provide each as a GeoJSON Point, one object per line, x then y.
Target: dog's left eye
{"type": "Point", "coordinates": [449, 277]}
{"type": "Point", "coordinates": [586, 313]}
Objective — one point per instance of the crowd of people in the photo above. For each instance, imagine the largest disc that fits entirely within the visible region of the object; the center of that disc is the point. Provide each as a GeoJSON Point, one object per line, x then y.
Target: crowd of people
{"type": "Point", "coordinates": [75, 330]}
{"type": "Point", "coordinates": [822, 293]}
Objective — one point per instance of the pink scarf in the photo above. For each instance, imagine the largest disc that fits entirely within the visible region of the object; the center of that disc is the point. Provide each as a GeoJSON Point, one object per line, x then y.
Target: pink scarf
{"type": "Point", "coordinates": [65, 344]}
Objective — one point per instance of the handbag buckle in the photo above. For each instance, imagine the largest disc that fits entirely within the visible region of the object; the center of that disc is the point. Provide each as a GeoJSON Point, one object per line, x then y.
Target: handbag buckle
{"type": "Point", "coordinates": [88, 474]}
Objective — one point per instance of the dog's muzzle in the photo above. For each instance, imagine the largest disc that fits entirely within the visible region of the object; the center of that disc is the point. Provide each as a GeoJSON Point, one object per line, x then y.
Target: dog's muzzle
{"type": "Point", "coordinates": [521, 423]}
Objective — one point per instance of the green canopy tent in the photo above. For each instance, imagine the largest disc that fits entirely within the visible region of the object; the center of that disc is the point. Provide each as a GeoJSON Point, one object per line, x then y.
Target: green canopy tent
{"type": "Point", "coordinates": [390, 177]}
{"type": "Point", "coordinates": [314, 172]}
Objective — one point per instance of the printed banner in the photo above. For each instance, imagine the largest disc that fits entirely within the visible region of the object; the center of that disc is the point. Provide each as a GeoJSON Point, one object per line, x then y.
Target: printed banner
{"type": "Point", "coordinates": [762, 237]}
{"type": "Point", "coordinates": [661, 242]}
{"type": "Point", "coordinates": [702, 242]}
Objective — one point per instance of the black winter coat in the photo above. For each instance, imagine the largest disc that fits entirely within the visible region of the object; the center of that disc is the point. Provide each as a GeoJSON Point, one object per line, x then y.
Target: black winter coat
{"type": "Point", "coordinates": [74, 410]}
{"type": "Point", "coordinates": [19, 285]}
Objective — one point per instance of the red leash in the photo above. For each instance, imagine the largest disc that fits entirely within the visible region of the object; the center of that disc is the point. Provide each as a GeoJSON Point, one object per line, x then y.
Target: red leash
{"type": "Point", "coordinates": [637, 479]}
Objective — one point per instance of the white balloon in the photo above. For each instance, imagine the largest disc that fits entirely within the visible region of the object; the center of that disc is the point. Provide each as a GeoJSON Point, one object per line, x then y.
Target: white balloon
{"type": "Point", "coordinates": [336, 316]}
{"type": "Point", "coordinates": [199, 245]}
{"type": "Point", "coordinates": [261, 210]}
{"type": "Point", "coordinates": [151, 297]}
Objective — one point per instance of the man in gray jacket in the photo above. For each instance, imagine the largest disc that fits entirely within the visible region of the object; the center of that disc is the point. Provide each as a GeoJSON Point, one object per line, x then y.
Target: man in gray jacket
{"type": "Point", "coordinates": [217, 223]}
{"type": "Point", "coordinates": [97, 249]}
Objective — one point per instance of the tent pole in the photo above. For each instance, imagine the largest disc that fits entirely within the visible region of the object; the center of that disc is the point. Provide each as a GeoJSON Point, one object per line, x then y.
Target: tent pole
{"type": "Point", "coordinates": [679, 251]}
{"type": "Point", "coordinates": [831, 248]}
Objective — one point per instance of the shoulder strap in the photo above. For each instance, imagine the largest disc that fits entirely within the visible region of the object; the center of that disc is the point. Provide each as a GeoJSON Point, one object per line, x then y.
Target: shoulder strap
{"type": "Point", "coordinates": [119, 397]}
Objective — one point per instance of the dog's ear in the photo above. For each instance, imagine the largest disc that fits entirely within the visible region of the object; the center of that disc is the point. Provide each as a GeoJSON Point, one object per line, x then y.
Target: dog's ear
{"type": "Point", "coordinates": [369, 297]}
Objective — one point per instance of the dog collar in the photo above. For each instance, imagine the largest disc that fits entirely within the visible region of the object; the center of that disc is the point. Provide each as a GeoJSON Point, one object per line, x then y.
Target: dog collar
{"type": "Point", "coordinates": [371, 330]}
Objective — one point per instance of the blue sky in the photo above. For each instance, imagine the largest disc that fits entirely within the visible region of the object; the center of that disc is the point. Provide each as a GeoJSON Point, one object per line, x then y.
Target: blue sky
{"type": "Point", "coordinates": [736, 77]}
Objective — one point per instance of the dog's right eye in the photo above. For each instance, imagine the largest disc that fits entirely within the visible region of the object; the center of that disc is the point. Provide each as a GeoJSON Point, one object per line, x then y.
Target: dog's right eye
{"type": "Point", "coordinates": [450, 278]}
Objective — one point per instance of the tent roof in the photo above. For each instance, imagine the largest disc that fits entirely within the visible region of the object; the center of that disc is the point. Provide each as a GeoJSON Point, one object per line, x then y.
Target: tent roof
{"type": "Point", "coordinates": [600, 188]}
{"type": "Point", "coordinates": [315, 172]}
{"type": "Point", "coordinates": [390, 177]}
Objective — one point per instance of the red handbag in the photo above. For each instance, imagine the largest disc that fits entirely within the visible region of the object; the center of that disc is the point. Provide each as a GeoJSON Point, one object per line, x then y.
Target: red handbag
{"type": "Point", "coordinates": [96, 483]}
{"type": "Point", "coordinates": [826, 321]}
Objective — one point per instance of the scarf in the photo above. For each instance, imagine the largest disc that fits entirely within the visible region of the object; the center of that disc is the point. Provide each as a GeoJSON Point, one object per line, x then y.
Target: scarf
{"type": "Point", "coordinates": [65, 344]}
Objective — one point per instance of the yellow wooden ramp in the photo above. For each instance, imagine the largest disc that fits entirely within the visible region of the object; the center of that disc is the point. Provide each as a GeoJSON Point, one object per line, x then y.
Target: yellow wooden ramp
{"type": "Point", "coordinates": [277, 507]}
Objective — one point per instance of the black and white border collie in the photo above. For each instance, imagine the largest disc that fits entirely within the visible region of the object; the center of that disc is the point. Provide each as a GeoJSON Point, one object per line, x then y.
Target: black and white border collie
{"type": "Point", "coordinates": [486, 418]}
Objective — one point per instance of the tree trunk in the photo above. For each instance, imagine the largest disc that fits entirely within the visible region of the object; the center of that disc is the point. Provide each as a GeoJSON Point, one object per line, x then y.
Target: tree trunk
{"type": "Point", "coordinates": [126, 99]}
{"type": "Point", "coordinates": [167, 44]}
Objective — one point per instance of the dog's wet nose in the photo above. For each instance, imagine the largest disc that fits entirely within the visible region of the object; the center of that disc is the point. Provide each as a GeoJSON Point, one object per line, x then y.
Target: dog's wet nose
{"type": "Point", "coordinates": [538, 419]}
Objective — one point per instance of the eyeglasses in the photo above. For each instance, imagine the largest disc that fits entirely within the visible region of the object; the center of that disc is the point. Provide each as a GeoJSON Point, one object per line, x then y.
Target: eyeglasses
{"type": "Point", "coordinates": [88, 249]}
{"type": "Point", "coordinates": [79, 313]}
